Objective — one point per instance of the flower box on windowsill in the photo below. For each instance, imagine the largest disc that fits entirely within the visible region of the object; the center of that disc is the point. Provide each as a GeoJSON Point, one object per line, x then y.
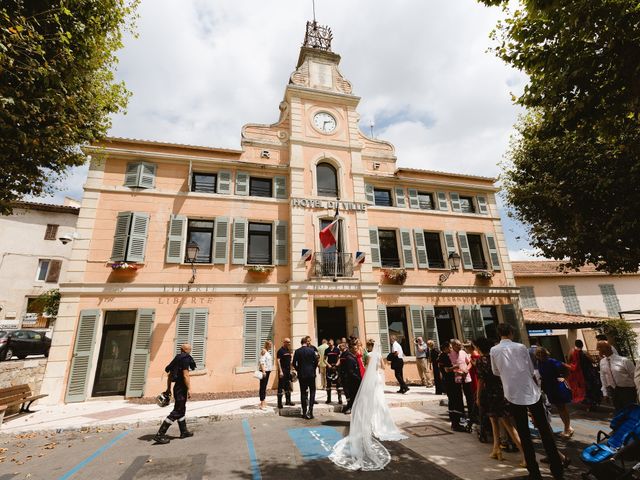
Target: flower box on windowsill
{"type": "Point", "coordinates": [395, 275]}
{"type": "Point", "coordinates": [260, 271]}
{"type": "Point", "coordinates": [484, 275]}
{"type": "Point", "coordinates": [125, 266]}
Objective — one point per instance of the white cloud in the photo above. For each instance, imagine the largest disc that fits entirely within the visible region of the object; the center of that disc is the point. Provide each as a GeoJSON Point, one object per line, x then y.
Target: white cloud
{"type": "Point", "coordinates": [525, 254]}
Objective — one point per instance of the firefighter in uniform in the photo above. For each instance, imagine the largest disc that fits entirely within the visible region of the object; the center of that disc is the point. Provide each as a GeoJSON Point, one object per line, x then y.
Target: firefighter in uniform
{"type": "Point", "coordinates": [283, 357]}
{"type": "Point", "coordinates": [178, 372]}
{"type": "Point", "coordinates": [331, 355]}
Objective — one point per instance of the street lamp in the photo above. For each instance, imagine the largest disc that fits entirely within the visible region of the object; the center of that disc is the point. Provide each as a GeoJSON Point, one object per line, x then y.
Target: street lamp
{"type": "Point", "coordinates": [192, 254]}
{"type": "Point", "coordinates": [454, 265]}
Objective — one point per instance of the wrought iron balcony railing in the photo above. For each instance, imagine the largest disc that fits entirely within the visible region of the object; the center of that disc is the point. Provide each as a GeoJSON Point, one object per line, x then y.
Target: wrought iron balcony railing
{"type": "Point", "coordinates": [333, 264]}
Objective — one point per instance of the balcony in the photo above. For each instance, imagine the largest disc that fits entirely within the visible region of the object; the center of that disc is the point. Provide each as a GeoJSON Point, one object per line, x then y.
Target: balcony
{"type": "Point", "coordinates": [333, 265]}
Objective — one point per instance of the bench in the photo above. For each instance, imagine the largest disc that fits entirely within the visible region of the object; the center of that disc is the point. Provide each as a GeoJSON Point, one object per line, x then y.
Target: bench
{"type": "Point", "coordinates": [18, 395]}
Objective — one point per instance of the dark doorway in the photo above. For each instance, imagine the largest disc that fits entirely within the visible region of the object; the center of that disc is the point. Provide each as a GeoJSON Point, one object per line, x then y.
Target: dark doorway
{"type": "Point", "coordinates": [397, 322]}
{"type": "Point", "coordinates": [553, 345]}
{"type": "Point", "coordinates": [115, 352]}
{"type": "Point", "coordinates": [445, 320]}
{"type": "Point", "coordinates": [332, 322]}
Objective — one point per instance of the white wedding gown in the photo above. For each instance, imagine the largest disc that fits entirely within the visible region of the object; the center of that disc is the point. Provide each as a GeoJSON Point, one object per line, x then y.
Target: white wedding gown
{"type": "Point", "coordinates": [370, 418]}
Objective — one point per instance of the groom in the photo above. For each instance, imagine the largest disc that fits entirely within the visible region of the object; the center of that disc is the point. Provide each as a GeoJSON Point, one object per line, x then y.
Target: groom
{"type": "Point", "coordinates": [305, 362]}
{"type": "Point", "coordinates": [350, 374]}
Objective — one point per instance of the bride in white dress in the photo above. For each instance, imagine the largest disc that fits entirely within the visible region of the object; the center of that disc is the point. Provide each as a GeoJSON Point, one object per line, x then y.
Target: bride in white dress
{"type": "Point", "coordinates": [370, 422]}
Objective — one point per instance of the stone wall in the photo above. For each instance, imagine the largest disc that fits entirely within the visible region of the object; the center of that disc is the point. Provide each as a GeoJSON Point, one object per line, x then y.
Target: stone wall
{"type": "Point", "coordinates": [19, 372]}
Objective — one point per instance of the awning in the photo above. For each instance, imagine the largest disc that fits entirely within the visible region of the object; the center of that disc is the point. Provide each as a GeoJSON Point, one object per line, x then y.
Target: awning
{"type": "Point", "coordinates": [559, 320]}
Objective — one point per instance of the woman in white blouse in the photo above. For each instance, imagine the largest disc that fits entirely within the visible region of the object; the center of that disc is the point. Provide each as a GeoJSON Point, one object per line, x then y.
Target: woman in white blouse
{"type": "Point", "coordinates": [266, 365]}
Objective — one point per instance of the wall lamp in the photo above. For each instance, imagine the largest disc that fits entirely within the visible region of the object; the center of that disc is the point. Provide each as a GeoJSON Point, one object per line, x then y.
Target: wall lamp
{"type": "Point", "coordinates": [454, 265]}
{"type": "Point", "coordinates": [192, 254]}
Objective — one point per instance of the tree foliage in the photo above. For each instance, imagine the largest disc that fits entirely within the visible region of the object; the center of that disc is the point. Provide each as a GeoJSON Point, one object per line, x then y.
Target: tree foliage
{"type": "Point", "coordinates": [57, 88]}
{"type": "Point", "coordinates": [573, 175]}
{"type": "Point", "coordinates": [49, 302]}
{"type": "Point", "coordinates": [622, 335]}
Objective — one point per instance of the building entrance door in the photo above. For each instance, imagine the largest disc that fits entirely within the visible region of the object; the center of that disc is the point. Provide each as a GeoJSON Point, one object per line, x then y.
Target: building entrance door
{"type": "Point", "coordinates": [331, 322]}
{"type": "Point", "coordinates": [445, 320]}
{"type": "Point", "coordinates": [115, 352]}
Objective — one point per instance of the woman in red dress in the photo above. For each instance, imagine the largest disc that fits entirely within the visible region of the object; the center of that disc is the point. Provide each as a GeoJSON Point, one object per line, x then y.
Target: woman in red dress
{"type": "Point", "coordinates": [576, 375]}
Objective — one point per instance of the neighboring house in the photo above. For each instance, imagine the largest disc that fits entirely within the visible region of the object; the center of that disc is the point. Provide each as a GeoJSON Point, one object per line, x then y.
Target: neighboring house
{"type": "Point", "coordinates": [32, 259]}
{"type": "Point", "coordinates": [260, 270]}
{"type": "Point", "coordinates": [560, 307]}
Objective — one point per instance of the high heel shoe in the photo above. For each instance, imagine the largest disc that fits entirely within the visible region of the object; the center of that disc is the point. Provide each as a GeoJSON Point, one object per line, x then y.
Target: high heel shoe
{"type": "Point", "coordinates": [497, 454]}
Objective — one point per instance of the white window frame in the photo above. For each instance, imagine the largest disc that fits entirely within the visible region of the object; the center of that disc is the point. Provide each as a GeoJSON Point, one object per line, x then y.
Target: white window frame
{"type": "Point", "coordinates": [46, 272]}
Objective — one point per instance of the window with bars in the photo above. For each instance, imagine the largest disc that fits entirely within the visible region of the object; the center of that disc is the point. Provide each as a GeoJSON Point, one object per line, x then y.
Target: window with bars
{"type": "Point", "coordinates": [528, 297]}
{"type": "Point", "coordinates": [570, 299]}
{"type": "Point", "coordinates": [611, 301]}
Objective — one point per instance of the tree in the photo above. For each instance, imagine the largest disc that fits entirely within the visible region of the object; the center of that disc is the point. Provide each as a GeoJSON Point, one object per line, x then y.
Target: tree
{"type": "Point", "coordinates": [49, 302]}
{"type": "Point", "coordinates": [573, 170]}
{"type": "Point", "coordinates": [57, 88]}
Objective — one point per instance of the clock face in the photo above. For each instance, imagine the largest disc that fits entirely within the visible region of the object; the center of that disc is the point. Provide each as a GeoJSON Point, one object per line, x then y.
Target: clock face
{"type": "Point", "coordinates": [324, 122]}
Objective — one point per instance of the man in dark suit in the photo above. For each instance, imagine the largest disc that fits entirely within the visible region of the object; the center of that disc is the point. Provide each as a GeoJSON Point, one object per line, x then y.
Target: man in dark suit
{"type": "Point", "coordinates": [305, 362]}
{"type": "Point", "coordinates": [350, 374]}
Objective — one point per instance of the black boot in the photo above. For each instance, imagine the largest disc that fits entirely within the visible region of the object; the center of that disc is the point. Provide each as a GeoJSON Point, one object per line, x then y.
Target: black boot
{"type": "Point", "coordinates": [280, 401]}
{"type": "Point", "coordinates": [328, 396]}
{"type": "Point", "coordinates": [184, 433]}
{"type": "Point", "coordinates": [287, 396]}
{"type": "Point", "coordinates": [161, 436]}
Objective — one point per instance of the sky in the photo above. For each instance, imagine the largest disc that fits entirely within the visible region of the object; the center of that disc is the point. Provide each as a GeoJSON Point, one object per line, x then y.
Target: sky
{"type": "Point", "coordinates": [200, 69]}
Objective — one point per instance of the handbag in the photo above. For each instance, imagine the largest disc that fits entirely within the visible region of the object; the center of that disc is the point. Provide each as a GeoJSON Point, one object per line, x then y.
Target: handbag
{"type": "Point", "coordinates": [258, 374]}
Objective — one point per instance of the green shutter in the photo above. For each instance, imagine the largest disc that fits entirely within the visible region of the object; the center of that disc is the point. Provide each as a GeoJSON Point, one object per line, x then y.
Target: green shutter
{"type": "Point", "coordinates": [450, 244]}
{"type": "Point", "coordinates": [82, 356]}
{"type": "Point", "coordinates": [421, 249]}
{"type": "Point", "coordinates": [147, 177]}
{"type": "Point", "coordinates": [466, 321]}
{"type": "Point", "coordinates": [265, 326]}
{"type": "Point", "coordinates": [478, 322]}
{"type": "Point", "coordinates": [455, 202]}
{"type": "Point", "coordinates": [250, 337]}
{"type": "Point", "coordinates": [399, 196]}
{"type": "Point", "coordinates": [368, 190]}
{"type": "Point", "coordinates": [138, 237]}
{"type": "Point", "coordinates": [375, 247]}
{"type": "Point", "coordinates": [383, 326]}
{"type": "Point", "coordinates": [239, 241]}
{"type": "Point", "coordinates": [510, 316]}
{"type": "Point", "coordinates": [280, 245]}
{"type": "Point", "coordinates": [483, 208]}
{"type": "Point", "coordinates": [492, 246]}
{"type": "Point", "coordinates": [430, 324]}
{"type": "Point", "coordinates": [413, 198]}
{"type": "Point", "coordinates": [131, 174]}
{"type": "Point", "coordinates": [221, 240]}
{"type": "Point", "coordinates": [175, 239]}
{"type": "Point", "coordinates": [121, 237]}
{"type": "Point", "coordinates": [199, 336]}
{"type": "Point", "coordinates": [242, 183]}
{"type": "Point", "coordinates": [415, 312]}
{"type": "Point", "coordinates": [465, 252]}
{"type": "Point", "coordinates": [224, 182]}
{"type": "Point", "coordinates": [140, 352]}
{"type": "Point", "coordinates": [280, 187]}
{"type": "Point", "coordinates": [407, 249]}
{"type": "Point", "coordinates": [184, 322]}
{"type": "Point", "coordinates": [442, 201]}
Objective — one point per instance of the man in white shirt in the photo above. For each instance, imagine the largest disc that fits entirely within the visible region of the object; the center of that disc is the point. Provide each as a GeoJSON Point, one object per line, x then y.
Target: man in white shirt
{"type": "Point", "coordinates": [512, 363]}
{"type": "Point", "coordinates": [422, 362]}
{"type": "Point", "coordinates": [617, 376]}
{"type": "Point", "coordinates": [397, 363]}
{"type": "Point", "coordinates": [461, 362]}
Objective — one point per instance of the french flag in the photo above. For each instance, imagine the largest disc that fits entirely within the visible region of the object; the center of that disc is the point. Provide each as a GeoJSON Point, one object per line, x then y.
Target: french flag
{"type": "Point", "coordinates": [329, 234]}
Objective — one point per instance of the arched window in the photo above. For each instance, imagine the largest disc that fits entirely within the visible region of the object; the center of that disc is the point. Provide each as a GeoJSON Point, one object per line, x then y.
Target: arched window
{"type": "Point", "coordinates": [327, 180]}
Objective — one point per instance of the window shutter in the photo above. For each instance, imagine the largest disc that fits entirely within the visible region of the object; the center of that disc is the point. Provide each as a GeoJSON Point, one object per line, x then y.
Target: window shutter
{"type": "Point", "coordinates": [442, 201]}
{"type": "Point", "coordinates": [224, 182]}
{"type": "Point", "coordinates": [407, 249]}
{"type": "Point", "coordinates": [250, 337]}
{"type": "Point", "coordinates": [478, 322]}
{"type": "Point", "coordinates": [280, 187]}
{"type": "Point", "coordinates": [281, 251]}
{"type": "Point", "coordinates": [184, 322]}
{"type": "Point", "coordinates": [483, 208]}
{"type": "Point", "coordinates": [421, 249]}
{"type": "Point", "coordinates": [368, 190]}
{"type": "Point", "coordinates": [375, 247]}
{"type": "Point", "coordinates": [266, 327]}
{"type": "Point", "coordinates": [465, 253]}
{"type": "Point", "coordinates": [413, 198]}
{"type": "Point", "coordinates": [121, 237]}
{"type": "Point", "coordinates": [175, 240]}
{"type": "Point", "coordinates": [510, 316]}
{"type": "Point", "coordinates": [399, 194]}
{"type": "Point", "coordinates": [82, 356]}
{"type": "Point", "coordinates": [221, 240]}
{"type": "Point", "coordinates": [53, 272]}
{"type": "Point", "coordinates": [190, 177]}
{"type": "Point", "coordinates": [466, 321]}
{"type": "Point", "coordinates": [609, 297]}
{"type": "Point", "coordinates": [492, 246]}
{"type": "Point", "coordinates": [455, 202]}
{"type": "Point", "coordinates": [430, 325]}
{"type": "Point", "coordinates": [239, 241]}
{"type": "Point", "coordinates": [131, 174]}
{"type": "Point", "coordinates": [450, 244]}
{"type": "Point", "coordinates": [383, 326]}
{"type": "Point", "coordinates": [147, 178]}
{"type": "Point", "coordinates": [137, 237]}
{"type": "Point", "coordinates": [242, 183]}
{"type": "Point", "coordinates": [140, 351]}
{"type": "Point", "coordinates": [415, 312]}
{"type": "Point", "coordinates": [199, 336]}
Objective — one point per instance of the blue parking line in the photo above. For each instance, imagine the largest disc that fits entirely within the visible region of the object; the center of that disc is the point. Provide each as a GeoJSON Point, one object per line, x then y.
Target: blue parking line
{"type": "Point", "coordinates": [92, 457]}
{"type": "Point", "coordinates": [255, 467]}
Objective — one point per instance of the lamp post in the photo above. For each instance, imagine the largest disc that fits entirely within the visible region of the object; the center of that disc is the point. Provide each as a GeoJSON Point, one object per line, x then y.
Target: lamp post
{"type": "Point", "coordinates": [454, 265]}
{"type": "Point", "coordinates": [192, 254]}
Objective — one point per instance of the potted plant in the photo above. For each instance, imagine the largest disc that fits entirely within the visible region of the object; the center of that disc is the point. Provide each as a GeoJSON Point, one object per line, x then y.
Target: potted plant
{"type": "Point", "coordinates": [124, 266]}
{"type": "Point", "coordinates": [260, 271]}
{"type": "Point", "coordinates": [484, 275]}
{"type": "Point", "coordinates": [395, 275]}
